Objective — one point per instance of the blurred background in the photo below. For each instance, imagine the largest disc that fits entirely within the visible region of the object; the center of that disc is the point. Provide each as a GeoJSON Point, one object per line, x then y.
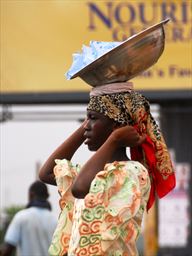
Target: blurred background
{"type": "Point", "coordinates": [39, 108]}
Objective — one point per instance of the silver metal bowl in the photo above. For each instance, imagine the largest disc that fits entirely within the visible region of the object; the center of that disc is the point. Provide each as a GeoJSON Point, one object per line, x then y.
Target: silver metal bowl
{"type": "Point", "coordinates": [126, 60]}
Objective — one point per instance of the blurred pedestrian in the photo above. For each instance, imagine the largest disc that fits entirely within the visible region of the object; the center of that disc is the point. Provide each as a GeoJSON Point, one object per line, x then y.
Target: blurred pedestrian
{"type": "Point", "coordinates": [32, 228]}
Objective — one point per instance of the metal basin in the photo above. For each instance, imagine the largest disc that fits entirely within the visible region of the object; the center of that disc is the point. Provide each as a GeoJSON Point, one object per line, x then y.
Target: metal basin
{"type": "Point", "coordinates": [127, 60]}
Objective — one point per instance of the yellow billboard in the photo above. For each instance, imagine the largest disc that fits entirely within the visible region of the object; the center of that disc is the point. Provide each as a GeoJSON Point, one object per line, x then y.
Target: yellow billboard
{"type": "Point", "coordinates": [38, 38]}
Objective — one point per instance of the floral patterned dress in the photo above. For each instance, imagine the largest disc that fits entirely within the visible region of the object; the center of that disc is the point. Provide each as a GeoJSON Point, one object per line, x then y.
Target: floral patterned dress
{"type": "Point", "coordinates": [108, 220]}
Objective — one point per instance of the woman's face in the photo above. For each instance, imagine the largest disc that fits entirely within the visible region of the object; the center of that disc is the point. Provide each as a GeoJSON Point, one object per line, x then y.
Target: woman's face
{"type": "Point", "coordinates": [97, 129]}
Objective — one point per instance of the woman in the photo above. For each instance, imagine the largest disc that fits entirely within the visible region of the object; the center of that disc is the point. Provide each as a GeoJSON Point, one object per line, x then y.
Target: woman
{"type": "Point", "coordinates": [103, 201]}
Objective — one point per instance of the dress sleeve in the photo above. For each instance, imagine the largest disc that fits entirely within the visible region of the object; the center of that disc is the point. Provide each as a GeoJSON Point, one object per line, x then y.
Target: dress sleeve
{"type": "Point", "coordinates": [64, 172]}
{"type": "Point", "coordinates": [122, 188]}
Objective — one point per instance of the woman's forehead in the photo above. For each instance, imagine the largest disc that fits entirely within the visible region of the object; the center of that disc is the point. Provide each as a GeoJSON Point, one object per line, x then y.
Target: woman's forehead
{"type": "Point", "coordinates": [100, 116]}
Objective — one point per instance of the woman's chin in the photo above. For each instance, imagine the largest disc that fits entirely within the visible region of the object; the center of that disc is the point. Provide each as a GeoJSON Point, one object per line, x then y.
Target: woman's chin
{"type": "Point", "coordinates": [92, 147]}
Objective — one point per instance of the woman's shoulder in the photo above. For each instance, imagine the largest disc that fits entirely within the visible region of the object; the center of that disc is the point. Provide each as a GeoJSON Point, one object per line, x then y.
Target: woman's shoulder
{"type": "Point", "coordinates": [132, 171]}
{"type": "Point", "coordinates": [136, 165]}
{"type": "Point", "coordinates": [126, 165]}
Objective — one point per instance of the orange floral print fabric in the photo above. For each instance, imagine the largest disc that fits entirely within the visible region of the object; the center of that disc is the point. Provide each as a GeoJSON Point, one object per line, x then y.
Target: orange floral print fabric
{"type": "Point", "coordinates": [107, 221]}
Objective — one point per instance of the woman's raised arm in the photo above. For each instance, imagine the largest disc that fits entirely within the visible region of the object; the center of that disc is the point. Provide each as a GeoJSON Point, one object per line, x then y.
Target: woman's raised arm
{"type": "Point", "coordinates": [65, 150]}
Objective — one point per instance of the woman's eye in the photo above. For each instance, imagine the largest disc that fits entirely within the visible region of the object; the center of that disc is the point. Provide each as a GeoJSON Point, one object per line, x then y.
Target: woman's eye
{"type": "Point", "coordinates": [92, 117]}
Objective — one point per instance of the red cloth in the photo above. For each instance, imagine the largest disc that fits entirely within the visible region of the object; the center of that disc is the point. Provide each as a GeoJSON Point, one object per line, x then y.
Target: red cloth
{"type": "Point", "coordinates": [145, 154]}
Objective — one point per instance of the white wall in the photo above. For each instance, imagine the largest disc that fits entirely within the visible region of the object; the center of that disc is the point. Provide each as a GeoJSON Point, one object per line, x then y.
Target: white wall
{"type": "Point", "coordinates": [25, 145]}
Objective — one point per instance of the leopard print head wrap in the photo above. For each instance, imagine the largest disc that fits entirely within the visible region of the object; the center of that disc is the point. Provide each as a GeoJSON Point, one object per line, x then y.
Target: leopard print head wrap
{"type": "Point", "coordinates": [132, 108]}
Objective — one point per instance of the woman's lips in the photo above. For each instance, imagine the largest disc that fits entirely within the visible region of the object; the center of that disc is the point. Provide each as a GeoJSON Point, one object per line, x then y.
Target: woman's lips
{"type": "Point", "coordinates": [87, 138]}
{"type": "Point", "coordinates": [87, 141]}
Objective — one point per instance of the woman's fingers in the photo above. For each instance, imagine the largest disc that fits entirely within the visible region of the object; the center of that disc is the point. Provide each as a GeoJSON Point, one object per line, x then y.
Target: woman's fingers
{"type": "Point", "coordinates": [142, 139]}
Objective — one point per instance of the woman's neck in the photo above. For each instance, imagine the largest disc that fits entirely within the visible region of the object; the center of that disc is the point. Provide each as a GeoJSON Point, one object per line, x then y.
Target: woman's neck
{"type": "Point", "coordinates": [119, 155]}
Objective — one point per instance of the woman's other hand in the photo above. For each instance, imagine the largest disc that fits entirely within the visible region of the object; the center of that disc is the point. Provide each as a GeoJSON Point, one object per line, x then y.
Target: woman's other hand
{"type": "Point", "coordinates": [127, 136]}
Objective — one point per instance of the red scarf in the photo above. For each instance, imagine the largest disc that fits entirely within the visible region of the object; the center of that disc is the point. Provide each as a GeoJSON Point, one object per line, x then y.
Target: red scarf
{"type": "Point", "coordinates": [160, 184]}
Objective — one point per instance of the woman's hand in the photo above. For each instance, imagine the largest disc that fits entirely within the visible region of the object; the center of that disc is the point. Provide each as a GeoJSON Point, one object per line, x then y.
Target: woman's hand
{"type": "Point", "coordinates": [127, 136]}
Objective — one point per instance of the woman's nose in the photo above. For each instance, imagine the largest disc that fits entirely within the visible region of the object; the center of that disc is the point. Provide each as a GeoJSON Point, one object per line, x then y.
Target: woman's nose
{"type": "Point", "coordinates": [86, 125]}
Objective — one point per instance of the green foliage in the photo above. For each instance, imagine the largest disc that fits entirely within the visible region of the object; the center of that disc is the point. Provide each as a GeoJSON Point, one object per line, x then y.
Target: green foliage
{"type": "Point", "coordinates": [9, 214]}
{"type": "Point", "coordinates": [11, 211]}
